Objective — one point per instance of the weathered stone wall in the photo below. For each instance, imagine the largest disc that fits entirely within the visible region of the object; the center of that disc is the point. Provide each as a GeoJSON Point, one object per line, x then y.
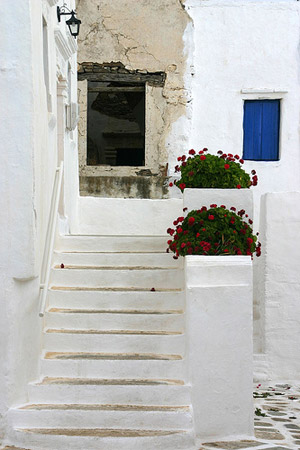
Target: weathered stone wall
{"type": "Point", "coordinates": [145, 37]}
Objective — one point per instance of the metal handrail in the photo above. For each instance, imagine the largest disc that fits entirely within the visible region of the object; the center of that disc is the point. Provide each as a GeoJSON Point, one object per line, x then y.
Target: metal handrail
{"type": "Point", "coordinates": [50, 238]}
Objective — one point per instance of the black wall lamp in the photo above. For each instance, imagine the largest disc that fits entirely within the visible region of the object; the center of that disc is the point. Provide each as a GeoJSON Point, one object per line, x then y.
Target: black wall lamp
{"type": "Point", "coordinates": [73, 23]}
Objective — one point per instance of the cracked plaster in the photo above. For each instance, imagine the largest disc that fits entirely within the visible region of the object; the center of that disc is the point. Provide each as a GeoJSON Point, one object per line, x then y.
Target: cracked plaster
{"type": "Point", "coordinates": [145, 36]}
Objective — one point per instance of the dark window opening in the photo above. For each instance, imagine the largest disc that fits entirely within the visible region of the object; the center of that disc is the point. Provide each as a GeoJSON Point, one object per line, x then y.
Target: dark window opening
{"type": "Point", "coordinates": [116, 124]}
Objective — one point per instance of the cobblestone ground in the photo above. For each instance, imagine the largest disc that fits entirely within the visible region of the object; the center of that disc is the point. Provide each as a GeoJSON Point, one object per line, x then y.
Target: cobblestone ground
{"type": "Point", "coordinates": [277, 419]}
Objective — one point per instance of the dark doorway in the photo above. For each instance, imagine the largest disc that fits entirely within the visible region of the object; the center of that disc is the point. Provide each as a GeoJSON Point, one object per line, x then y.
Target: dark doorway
{"type": "Point", "coordinates": [116, 124]}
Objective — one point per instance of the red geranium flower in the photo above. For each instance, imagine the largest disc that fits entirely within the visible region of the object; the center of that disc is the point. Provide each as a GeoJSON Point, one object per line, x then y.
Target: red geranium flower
{"type": "Point", "coordinates": [202, 157]}
{"type": "Point", "coordinates": [226, 166]}
{"type": "Point", "coordinates": [191, 220]}
{"type": "Point", "coordinates": [211, 217]}
{"type": "Point", "coordinates": [238, 186]}
{"type": "Point", "coordinates": [192, 151]}
{"type": "Point", "coordinates": [171, 184]}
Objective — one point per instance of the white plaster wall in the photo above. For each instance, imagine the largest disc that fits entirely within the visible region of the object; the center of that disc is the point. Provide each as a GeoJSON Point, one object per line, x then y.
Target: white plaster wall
{"type": "Point", "coordinates": [29, 158]}
{"type": "Point", "coordinates": [282, 284]}
{"type": "Point", "coordinates": [117, 216]}
{"type": "Point", "coordinates": [247, 45]}
{"type": "Point", "coordinates": [239, 45]}
{"type": "Point", "coordinates": [18, 227]}
{"type": "Point", "coordinates": [219, 345]}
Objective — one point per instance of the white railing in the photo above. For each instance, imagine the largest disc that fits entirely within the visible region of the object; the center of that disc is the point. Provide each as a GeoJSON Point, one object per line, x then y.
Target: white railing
{"type": "Point", "coordinates": [50, 238]}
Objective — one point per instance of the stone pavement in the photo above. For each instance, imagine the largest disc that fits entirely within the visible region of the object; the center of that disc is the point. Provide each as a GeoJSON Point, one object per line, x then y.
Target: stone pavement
{"type": "Point", "coordinates": [276, 420]}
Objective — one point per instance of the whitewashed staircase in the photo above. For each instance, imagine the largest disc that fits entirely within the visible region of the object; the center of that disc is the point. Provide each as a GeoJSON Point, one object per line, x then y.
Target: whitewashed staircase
{"type": "Point", "coordinates": [112, 369]}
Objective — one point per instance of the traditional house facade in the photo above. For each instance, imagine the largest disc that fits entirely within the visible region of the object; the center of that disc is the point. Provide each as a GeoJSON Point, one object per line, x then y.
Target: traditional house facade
{"type": "Point", "coordinates": [100, 330]}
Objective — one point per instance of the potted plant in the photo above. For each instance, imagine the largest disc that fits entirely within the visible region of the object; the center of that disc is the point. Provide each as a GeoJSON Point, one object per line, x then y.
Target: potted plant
{"type": "Point", "coordinates": [213, 231]}
{"type": "Point", "coordinates": [207, 178]}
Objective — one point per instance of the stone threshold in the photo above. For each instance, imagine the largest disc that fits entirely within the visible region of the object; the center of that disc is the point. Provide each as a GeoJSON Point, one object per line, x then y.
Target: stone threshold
{"type": "Point", "coordinates": [111, 382]}
{"type": "Point", "coordinates": [111, 356]}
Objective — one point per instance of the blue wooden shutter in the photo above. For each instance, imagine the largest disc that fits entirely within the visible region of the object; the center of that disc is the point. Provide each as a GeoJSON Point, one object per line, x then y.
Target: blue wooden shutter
{"type": "Point", "coordinates": [261, 130]}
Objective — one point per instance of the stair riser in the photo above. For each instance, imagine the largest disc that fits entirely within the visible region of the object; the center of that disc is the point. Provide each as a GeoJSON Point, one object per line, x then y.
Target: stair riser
{"type": "Point", "coordinates": [128, 395]}
{"type": "Point", "coordinates": [145, 279]}
{"type": "Point", "coordinates": [117, 300]}
{"type": "Point", "coordinates": [145, 420]}
{"type": "Point", "coordinates": [114, 343]}
{"type": "Point", "coordinates": [117, 259]}
{"type": "Point", "coordinates": [180, 441]}
{"type": "Point", "coordinates": [143, 244]}
{"type": "Point", "coordinates": [113, 369]}
{"type": "Point", "coordinates": [94, 321]}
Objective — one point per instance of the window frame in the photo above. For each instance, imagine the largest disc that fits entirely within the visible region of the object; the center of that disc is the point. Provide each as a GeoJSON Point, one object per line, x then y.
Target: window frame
{"type": "Point", "coordinates": [154, 84]}
{"type": "Point", "coordinates": [265, 94]}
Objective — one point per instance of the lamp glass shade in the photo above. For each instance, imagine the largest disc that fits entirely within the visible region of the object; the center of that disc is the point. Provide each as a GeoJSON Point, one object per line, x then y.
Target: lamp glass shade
{"type": "Point", "coordinates": [73, 24]}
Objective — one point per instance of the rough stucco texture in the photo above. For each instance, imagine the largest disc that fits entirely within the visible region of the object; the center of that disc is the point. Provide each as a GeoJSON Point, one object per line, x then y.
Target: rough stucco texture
{"type": "Point", "coordinates": [146, 36]}
{"type": "Point", "coordinates": [142, 35]}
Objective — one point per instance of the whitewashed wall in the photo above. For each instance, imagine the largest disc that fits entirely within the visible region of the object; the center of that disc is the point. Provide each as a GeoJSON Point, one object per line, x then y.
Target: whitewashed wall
{"type": "Point", "coordinates": [243, 50]}
{"type": "Point", "coordinates": [28, 131]}
{"type": "Point", "coordinates": [282, 285]}
{"type": "Point", "coordinates": [246, 46]}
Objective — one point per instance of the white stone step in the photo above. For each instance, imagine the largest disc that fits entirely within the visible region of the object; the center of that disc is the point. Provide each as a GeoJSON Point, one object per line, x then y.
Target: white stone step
{"type": "Point", "coordinates": [129, 394]}
{"type": "Point", "coordinates": [115, 244]}
{"type": "Point", "coordinates": [116, 299]}
{"type": "Point", "coordinates": [116, 259]}
{"type": "Point", "coordinates": [62, 439]}
{"type": "Point", "coordinates": [109, 320]}
{"type": "Point", "coordinates": [96, 342]}
{"type": "Point", "coordinates": [101, 416]}
{"type": "Point", "coordinates": [121, 277]}
{"type": "Point", "coordinates": [107, 368]}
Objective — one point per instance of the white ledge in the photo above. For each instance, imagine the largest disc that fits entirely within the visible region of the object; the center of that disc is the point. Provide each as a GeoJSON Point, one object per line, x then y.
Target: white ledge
{"type": "Point", "coordinates": [65, 46]}
{"type": "Point", "coordinates": [263, 91]}
{"type": "Point", "coordinates": [194, 260]}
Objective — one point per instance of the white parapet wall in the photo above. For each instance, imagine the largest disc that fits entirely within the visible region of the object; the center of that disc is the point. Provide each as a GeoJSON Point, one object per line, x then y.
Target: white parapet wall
{"type": "Point", "coordinates": [219, 345]}
{"type": "Point", "coordinates": [239, 198]}
{"type": "Point", "coordinates": [116, 216]}
{"type": "Point", "coordinates": [281, 250]}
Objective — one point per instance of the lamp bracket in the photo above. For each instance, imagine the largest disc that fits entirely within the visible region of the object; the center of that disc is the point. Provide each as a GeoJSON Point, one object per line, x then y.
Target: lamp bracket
{"type": "Point", "coordinates": [63, 11]}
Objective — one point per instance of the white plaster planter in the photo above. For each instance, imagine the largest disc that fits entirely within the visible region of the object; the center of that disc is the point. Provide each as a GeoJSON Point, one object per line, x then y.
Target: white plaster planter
{"type": "Point", "coordinates": [239, 198]}
{"type": "Point", "coordinates": [219, 348]}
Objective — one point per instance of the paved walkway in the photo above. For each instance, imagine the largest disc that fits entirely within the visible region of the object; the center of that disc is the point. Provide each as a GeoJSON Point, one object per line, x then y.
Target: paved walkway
{"type": "Point", "coordinates": [277, 419]}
